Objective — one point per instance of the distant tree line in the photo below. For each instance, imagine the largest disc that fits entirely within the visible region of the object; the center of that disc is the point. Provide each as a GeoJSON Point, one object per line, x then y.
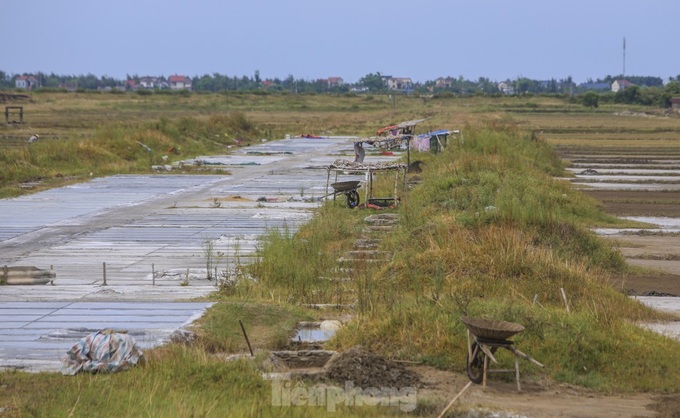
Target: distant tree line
{"type": "Point", "coordinates": [646, 90]}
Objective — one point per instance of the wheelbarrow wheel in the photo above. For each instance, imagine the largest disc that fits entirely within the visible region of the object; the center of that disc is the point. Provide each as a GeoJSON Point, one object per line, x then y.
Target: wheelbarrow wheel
{"type": "Point", "coordinates": [475, 366]}
{"type": "Point", "coordinates": [352, 199]}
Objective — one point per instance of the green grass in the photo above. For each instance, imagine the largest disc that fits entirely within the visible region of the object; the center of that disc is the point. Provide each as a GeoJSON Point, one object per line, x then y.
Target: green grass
{"type": "Point", "coordinates": [118, 149]}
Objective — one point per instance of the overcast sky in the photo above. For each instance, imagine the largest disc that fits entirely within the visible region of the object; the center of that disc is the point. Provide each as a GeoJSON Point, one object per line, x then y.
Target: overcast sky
{"type": "Point", "coordinates": [310, 39]}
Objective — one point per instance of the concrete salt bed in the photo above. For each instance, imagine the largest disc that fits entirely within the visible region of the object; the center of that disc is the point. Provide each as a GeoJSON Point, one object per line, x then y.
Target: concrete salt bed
{"type": "Point", "coordinates": [623, 186]}
{"type": "Point", "coordinates": [136, 222]}
{"type": "Point", "coordinates": [661, 222]}
{"type": "Point", "coordinates": [625, 172]}
{"type": "Point", "coordinates": [668, 304]}
{"type": "Point", "coordinates": [597, 166]}
{"type": "Point", "coordinates": [662, 225]}
{"type": "Point", "coordinates": [587, 178]}
{"type": "Point", "coordinates": [51, 328]}
{"type": "Point", "coordinates": [233, 160]}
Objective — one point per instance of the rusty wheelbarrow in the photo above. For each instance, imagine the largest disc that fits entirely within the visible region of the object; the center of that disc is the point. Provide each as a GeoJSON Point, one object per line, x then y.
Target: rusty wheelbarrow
{"type": "Point", "coordinates": [349, 189]}
{"type": "Point", "coordinates": [490, 335]}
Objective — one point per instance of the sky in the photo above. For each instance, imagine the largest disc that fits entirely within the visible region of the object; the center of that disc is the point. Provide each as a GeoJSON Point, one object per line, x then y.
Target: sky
{"type": "Point", "coordinates": [312, 39]}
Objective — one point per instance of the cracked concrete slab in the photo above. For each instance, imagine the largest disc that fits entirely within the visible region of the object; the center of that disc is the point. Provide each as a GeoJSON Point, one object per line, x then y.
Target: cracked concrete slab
{"type": "Point", "coordinates": [132, 225]}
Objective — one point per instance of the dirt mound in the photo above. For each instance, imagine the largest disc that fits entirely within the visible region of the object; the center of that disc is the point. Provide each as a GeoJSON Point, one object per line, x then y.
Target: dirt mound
{"type": "Point", "coordinates": [366, 369]}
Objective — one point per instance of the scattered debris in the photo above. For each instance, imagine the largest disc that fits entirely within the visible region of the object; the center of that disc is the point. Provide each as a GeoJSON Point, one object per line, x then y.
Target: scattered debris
{"type": "Point", "coordinates": [658, 294]}
{"type": "Point", "coordinates": [33, 138]}
{"type": "Point", "coordinates": [26, 275]}
{"type": "Point", "coordinates": [166, 167]}
{"type": "Point", "coordinates": [106, 351]}
{"type": "Point", "coordinates": [145, 147]}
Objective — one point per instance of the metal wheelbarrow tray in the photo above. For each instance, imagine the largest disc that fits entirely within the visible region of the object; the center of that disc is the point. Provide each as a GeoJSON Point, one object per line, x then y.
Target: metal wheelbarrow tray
{"type": "Point", "coordinates": [491, 329]}
{"type": "Point", "coordinates": [349, 189]}
{"type": "Point", "coordinates": [489, 335]}
{"type": "Point", "coordinates": [345, 186]}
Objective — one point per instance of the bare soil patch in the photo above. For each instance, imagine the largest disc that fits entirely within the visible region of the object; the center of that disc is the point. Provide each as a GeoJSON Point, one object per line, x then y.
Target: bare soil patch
{"type": "Point", "coordinates": [369, 370]}
{"type": "Point", "coordinates": [638, 202]}
{"type": "Point", "coordinates": [537, 399]}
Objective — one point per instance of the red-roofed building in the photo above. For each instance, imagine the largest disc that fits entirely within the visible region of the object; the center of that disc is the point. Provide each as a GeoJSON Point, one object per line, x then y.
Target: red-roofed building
{"type": "Point", "coordinates": [675, 103]}
{"type": "Point", "coordinates": [179, 82]}
{"type": "Point", "coordinates": [620, 85]}
{"type": "Point", "coordinates": [26, 82]}
{"type": "Point", "coordinates": [335, 82]}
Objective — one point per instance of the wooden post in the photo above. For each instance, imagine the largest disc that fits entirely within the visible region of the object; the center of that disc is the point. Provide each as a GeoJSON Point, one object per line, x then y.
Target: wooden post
{"type": "Point", "coordinates": [564, 297]}
{"type": "Point", "coordinates": [469, 346]}
{"type": "Point", "coordinates": [104, 271]}
{"type": "Point", "coordinates": [246, 336]}
{"type": "Point", "coordinates": [486, 366]}
{"type": "Point", "coordinates": [519, 388]}
{"type": "Point", "coordinates": [368, 185]}
{"type": "Point", "coordinates": [328, 182]}
{"type": "Point", "coordinates": [335, 181]}
{"type": "Point", "coordinates": [4, 275]}
{"type": "Point", "coordinates": [408, 150]}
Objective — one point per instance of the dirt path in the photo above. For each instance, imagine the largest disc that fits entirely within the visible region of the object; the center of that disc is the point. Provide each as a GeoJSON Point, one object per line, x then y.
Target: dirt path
{"type": "Point", "coordinates": [537, 399]}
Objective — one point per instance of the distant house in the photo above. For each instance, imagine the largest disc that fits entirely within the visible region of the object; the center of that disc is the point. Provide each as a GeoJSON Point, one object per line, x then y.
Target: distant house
{"type": "Point", "coordinates": [179, 82]}
{"type": "Point", "coordinates": [335, 82]}
{"type": "Point", "coordinates": [152, 83]}
{"type": "Point", "coordinates": [620, 85]}
{"type": "Point", "coordinates": [148, 82]}
{"type": "Point", "coordinates": [26, 82]}
{"type": "Point", "coordinates": [68, 86]}
{"type": "Point", "coordinates": [399, 83]}
{"type": "Point", "coordinates": [359, 89]}
{"type": "Point", "coordinates": [595, 86]}
{"type": "Point", "coordinates": [331, 82]}
{"type": "Point", "coordinates": [506, 87]}
{"type": "Point", "coordinates": [675, 103]}
{"type": "Point", "coordinates": [443, 83]}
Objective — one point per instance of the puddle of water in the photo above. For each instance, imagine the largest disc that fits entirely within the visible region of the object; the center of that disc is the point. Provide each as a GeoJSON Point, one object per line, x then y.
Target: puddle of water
{"type": "Point", "coordinates": [313, 334]}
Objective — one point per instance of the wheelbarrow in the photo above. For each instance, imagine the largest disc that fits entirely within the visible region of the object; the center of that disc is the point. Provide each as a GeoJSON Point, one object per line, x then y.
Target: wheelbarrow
{"type": "Point", "coordinates": [349, 189]}
{"type": "Point", "coordinates": [490, 335]}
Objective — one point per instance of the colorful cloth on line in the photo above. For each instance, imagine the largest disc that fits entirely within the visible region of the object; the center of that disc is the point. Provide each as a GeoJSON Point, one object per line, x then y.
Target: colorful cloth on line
{"type": "Point", "coordinates": [103, 351]}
